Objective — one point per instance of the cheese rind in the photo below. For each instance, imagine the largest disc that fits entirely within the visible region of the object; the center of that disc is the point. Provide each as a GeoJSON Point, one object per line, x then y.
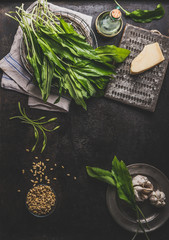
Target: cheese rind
{"type": "Point", "coordinates": [150, 56]}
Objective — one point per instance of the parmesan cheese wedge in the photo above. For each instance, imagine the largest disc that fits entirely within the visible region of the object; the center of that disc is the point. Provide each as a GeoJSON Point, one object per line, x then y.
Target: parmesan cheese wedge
{"type": "Point", "coordinates": [150, 56]}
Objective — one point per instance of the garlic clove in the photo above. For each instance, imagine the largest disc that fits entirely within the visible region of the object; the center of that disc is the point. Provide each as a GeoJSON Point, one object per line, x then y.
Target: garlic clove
{"type": "Point", "coordinates": [157, 198]}
{"type": "Point", "coordinates": [139, 180]}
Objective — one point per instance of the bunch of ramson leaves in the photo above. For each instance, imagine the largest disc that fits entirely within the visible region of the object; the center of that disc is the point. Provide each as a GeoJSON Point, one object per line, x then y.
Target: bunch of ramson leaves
{"type": "Point", "coordinates": [61, 57]}
{"type": "Point", "coordinates": [120, 178]}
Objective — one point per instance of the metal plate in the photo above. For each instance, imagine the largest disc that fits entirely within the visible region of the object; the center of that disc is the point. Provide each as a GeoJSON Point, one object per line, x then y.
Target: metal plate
{"type": "Point", "coordinates": [155, 217]}
{"type": "Point", "coordinates": [140, 90]}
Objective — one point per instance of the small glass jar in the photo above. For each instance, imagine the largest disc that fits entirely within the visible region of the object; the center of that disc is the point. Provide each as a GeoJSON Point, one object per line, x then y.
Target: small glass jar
{"type": "Point", "coordinates": [109, 24]}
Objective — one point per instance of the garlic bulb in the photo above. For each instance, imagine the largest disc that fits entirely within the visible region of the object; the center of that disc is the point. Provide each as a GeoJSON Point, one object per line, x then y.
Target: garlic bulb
{"type": "Point", "coordinates": [142, 187]}
{"type": "Point", "coordinates": [157, 198]}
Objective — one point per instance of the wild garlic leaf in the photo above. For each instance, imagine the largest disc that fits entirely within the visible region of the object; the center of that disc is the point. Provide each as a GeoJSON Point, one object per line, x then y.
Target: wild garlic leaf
{"type": "Point", "coordinates": [100, 174]}
{"type": "Point", "coordinates": [110, 53]}
{"type": "Point", "coordinates": [144, 16]}
{"type": "Point", "coordinates": [123, 181]}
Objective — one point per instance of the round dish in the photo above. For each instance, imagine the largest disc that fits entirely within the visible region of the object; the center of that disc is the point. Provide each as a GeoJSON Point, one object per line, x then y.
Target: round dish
{"type": "Point", "coordinates": [155, 217]}
{"type": "Point", "coordinates": [80, 27]}
{"type": "Point", "coordinates": [52, 209]}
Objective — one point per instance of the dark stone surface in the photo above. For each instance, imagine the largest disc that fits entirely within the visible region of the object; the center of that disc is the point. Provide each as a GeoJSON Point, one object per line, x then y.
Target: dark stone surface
{"type": "Point", "coordinates": [92, 138]}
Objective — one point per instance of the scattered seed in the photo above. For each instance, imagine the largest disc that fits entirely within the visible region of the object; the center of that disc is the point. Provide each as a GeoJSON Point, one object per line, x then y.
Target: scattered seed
{"type": "Point", "coordinates": [54, 178]}
{"type": "Point", "coordinates": [32, 181]}
{"type": "Point", "coordinates": [31, 170]}
{"type": "Point", "coordinates": [23, 171]}
{"type": "Point", "coordinates": [63, 166]}
{"type": "Point", "coordinates": [27, 150]}
{"type": "Point", "coordinates": [68, 174]}
{"type": "Point", "coordinates": [55, 165]}
{"type": "Point", "coordinates": [18, 190]}
{"type": "Point", "coordinates": [36, 157]}
{"type": "Point", "coordinates": [51, 169]}
{"type": "Point", "coordinates": [74, 178]}
{"type": "Point", "coordinates": [47, 159]}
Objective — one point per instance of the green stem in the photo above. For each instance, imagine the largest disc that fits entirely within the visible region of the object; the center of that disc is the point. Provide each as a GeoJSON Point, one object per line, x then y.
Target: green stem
{"type": "Point", "coordinates": [36, 125]}
{"type": "Point", "coordinates": [135, 235]}
{"type": "Point", "coordinates": [140, 224]}
{"type": "Point", "coordinates": [121, 7]}
{"type": "Point", "coordinates": [143, 216]}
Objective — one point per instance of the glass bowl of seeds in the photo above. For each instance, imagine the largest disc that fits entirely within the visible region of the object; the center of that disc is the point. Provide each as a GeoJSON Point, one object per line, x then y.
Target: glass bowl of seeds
{"type": "Point", "coordinates": [41, 200]}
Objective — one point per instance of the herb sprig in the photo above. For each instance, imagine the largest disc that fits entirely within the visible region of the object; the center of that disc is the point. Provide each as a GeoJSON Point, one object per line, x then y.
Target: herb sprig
{"type": "Point", "coordinates": [120, 178]}
{"type": "Point", "coordinates": [37, 124]}
{"type": "Point", "coordinates": [144, 16]}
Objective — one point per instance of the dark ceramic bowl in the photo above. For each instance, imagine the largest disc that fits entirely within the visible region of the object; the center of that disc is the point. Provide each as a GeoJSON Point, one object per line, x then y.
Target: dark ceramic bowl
{"type": "Point", "coordinates": [52, 209]}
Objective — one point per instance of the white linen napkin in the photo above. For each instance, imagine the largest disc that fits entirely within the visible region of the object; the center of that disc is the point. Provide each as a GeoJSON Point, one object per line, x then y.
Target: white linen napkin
{"type": "Point", "coordinates": [15, 77]}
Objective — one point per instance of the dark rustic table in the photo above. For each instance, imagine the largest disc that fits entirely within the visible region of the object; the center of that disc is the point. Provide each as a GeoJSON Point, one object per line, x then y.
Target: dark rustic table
{"type": "Point", "coordinates": [89, 137]}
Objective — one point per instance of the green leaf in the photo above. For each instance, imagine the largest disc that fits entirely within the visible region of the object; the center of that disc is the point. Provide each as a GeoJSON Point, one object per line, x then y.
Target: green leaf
{"type": "Point", "coordinates": [85, 82]}
{"type": "Point", "coordinates": [95, 69]}
{"type": "Point", "coordinates": [110, 53]}
{"type": "Point", "coordinates": [100, 82]}
{"type": "Point", "coordinates": [145, 16]}
{"type": "Point", "coordinates": [123, 181]}
{"type": "Point", "coordinates": [50, 54]}
{"type": "Point", "coordinates": [67, 26]}
{"type": "Point", "coordinates": [47, 70]}
{"type": "Point", "coordinates": [74, 91]}
{"type": "Point", "coordinates": [100, 174]}
{"type": "Point", "coordinates": [58, 49]}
